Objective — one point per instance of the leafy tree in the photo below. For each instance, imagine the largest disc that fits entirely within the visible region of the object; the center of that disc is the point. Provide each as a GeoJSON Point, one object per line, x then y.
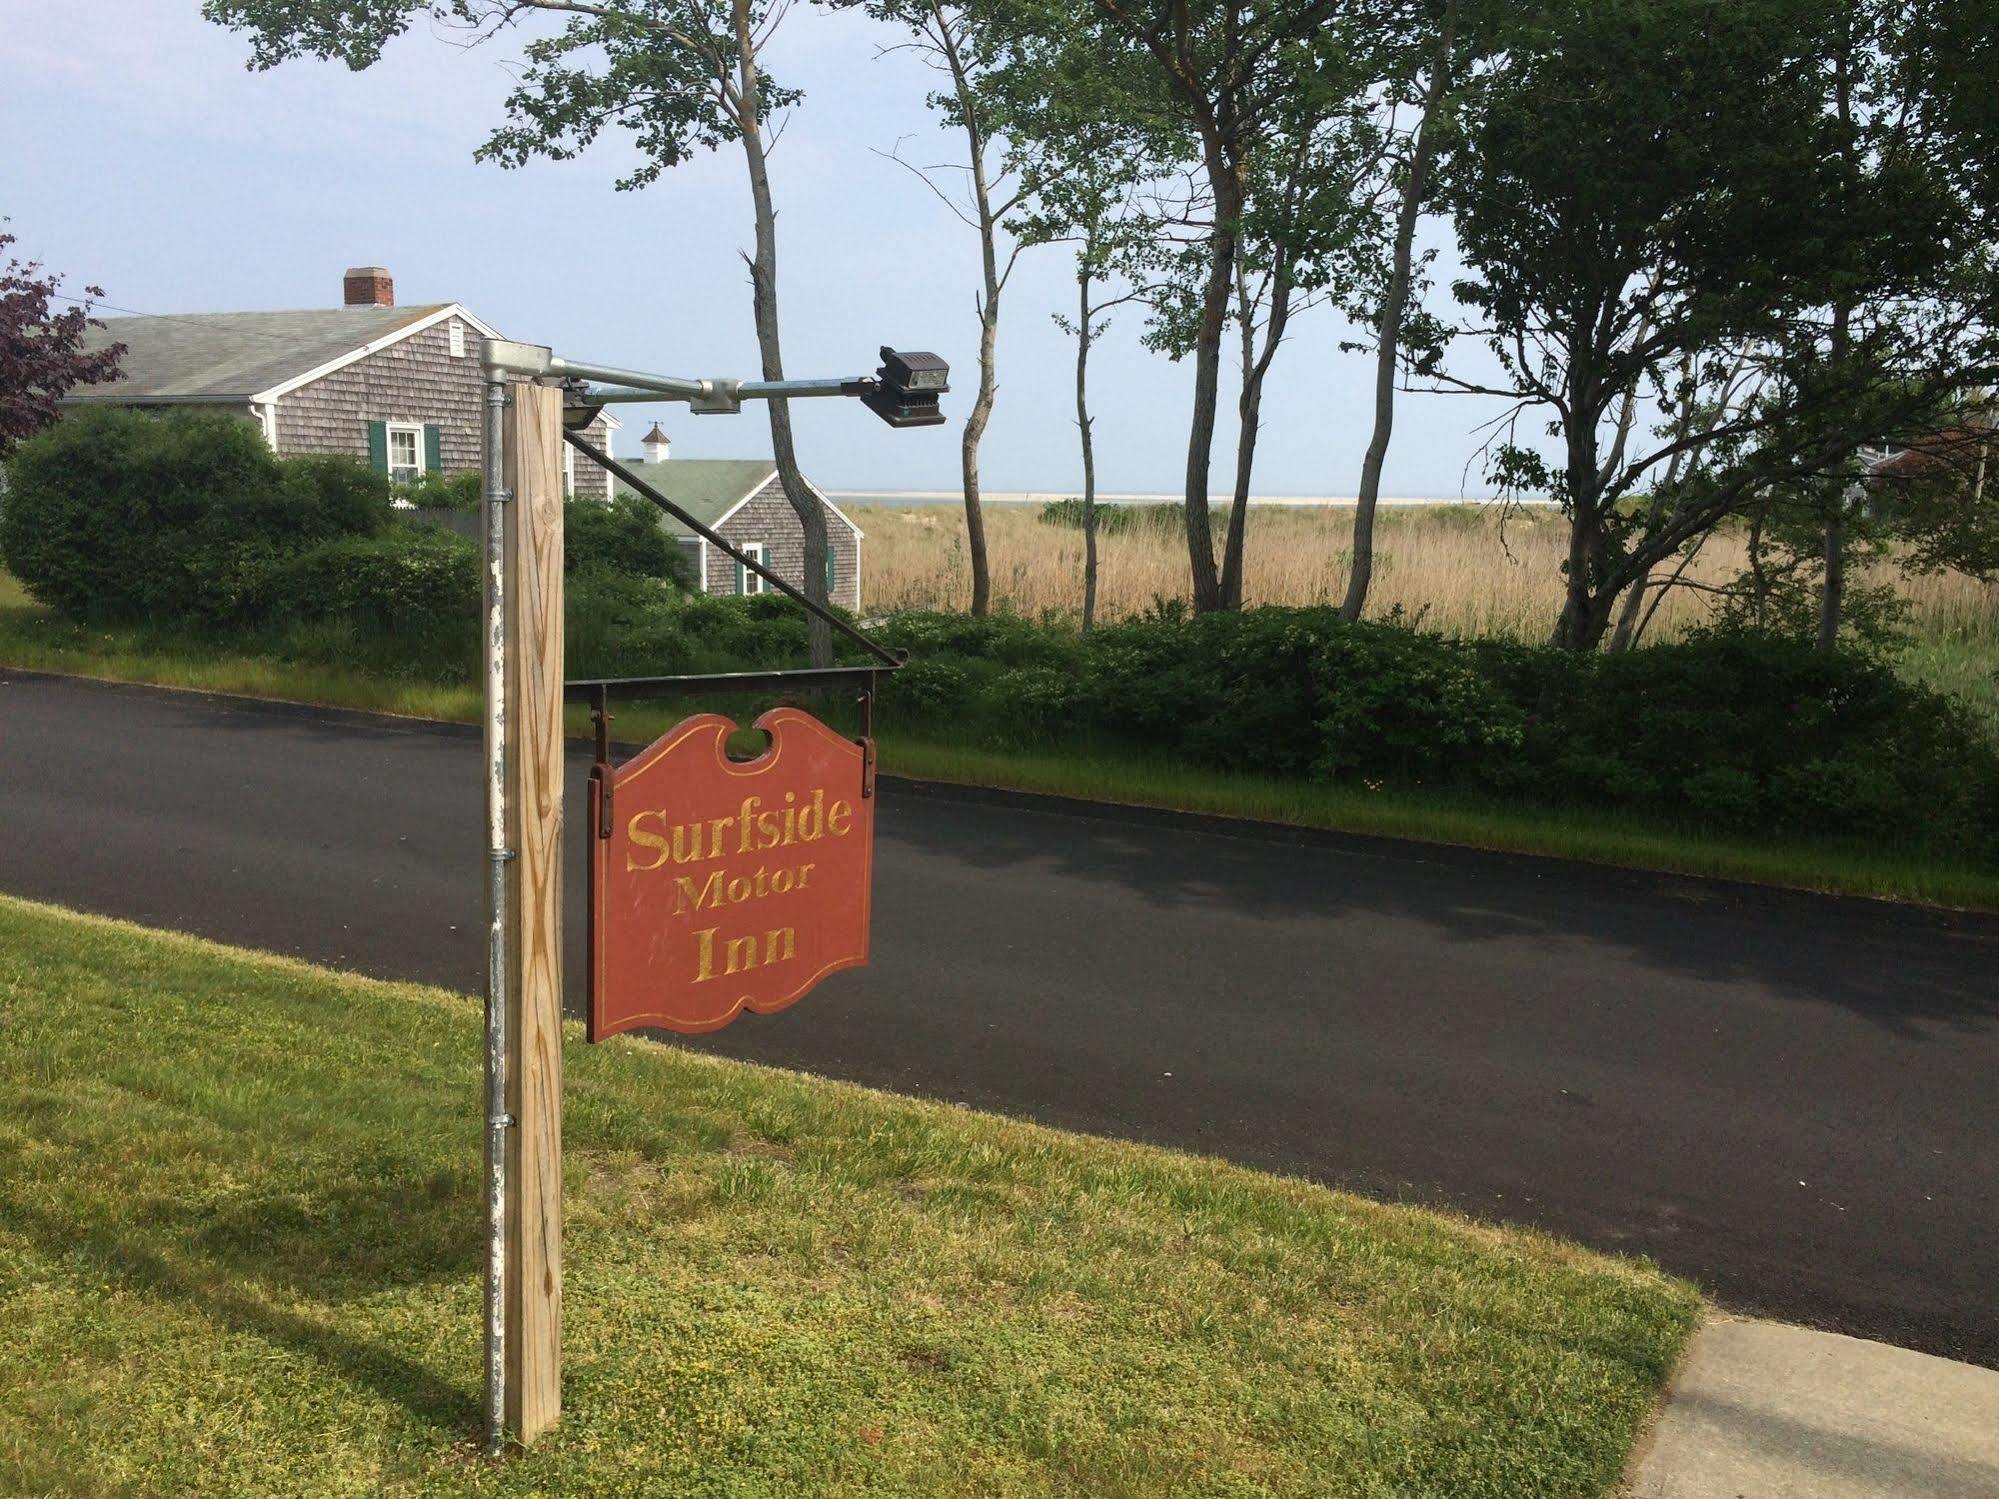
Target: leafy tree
{"type": "Point", "coordinates": [1931, 507]}
{"type": "Point", "coordinates": [42, 357]}
{"type": "Point", "coordinates": [1391, 320]}
{"type": "Point", "coordinates": [1309, 236]}
{"type": "Point", "coordinates": [1090, 158]}
{"type": "Point", "coordinates": [964, 42]}
{"type": "Point", "coordinates": [1226, 74]}
{"type": "Point", "coordinates": [1942, 496]}
{"type": "Point", "coordinates": [680, 76]}
{"type": "Point", "coordinates": [1649, 192]}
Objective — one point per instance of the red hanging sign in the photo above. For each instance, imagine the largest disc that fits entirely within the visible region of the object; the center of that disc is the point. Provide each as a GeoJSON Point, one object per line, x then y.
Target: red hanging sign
{"type": "Point", "coordinates": [717, 885]}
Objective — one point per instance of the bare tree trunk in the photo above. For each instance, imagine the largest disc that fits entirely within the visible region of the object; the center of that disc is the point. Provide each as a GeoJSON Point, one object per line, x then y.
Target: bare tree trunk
{"type": "Point", "coordinates": [988, 307]}
{"type": "Point", "coordinates": [1759, 579]}
{"type": "Point", "coordinates": [1226, 184]}
{"type": "Point", "coordinates": [1394, 309]}
{"type": "Point", "coordinates": [1249, 403]}
{"type": "Point", "coordinates": [1249, 412]}
{"type": "Point", "coordinates": [763, 296]}
{"type": "Point", "coordinates": [1585, 611]}
{"type": "Point", "coordinates": [968, 462]}
{"type": "Point", "coordinates": [1632, 616]}
{"type": "Point", "coordinates": [1832, 599]}
{"type": "Point", "coordinates": [1659, 594]}
{"type": "Point", "coordinates": [1623, 637]}
{"type": "Point", "coordinates": [1083, 336]}
{"type": "Point", "coordinates": [1630, 613]}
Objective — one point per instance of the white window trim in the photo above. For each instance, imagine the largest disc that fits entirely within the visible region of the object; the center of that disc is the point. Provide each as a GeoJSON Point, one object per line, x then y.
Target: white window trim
{"type": "Point", "coordinates": [753, 584]}
{"type": "Point", "coordinates": [568, 472]}
{"type": "Point", "coordinates": [415, 430]}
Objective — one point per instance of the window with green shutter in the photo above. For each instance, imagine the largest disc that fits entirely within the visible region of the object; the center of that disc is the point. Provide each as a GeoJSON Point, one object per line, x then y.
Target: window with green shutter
{"type": "Point", "coordinates": [832, 567]}
{"type": "Point", "coordinates": [747, 581]}
{"type": "Point", "coordinates": [378, 447]}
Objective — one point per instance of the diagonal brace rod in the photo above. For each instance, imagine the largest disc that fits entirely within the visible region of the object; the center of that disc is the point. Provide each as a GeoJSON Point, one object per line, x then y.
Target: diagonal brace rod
{"type": "Point", "coordinates": [611, 465]}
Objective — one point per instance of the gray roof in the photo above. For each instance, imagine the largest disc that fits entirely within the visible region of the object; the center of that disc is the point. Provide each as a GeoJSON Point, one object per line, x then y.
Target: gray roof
{"type": "Point", "coordinates": [706, 488]}
{"type": "Point", "coordinates": [231, 356]}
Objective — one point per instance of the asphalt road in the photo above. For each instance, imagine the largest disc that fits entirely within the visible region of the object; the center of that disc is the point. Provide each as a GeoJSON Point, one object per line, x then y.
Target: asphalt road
{"type": "Point", "coordinates": [1794, 1100]}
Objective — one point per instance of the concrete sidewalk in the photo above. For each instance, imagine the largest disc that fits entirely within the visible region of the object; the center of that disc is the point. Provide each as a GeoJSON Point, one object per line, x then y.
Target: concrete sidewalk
{"type": "Point", "coordinates": [1760, 1410]}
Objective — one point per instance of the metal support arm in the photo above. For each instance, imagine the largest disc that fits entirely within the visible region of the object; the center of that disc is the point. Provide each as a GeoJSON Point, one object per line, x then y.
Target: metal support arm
{"type": "Point", "coordinates": [707, 396]}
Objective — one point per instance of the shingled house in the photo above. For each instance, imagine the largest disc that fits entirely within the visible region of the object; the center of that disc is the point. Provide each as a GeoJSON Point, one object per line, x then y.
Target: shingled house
{"type": "Point", "coordinates": [741, 500]}
{"type": "Point", "coordinates": [398, 387]}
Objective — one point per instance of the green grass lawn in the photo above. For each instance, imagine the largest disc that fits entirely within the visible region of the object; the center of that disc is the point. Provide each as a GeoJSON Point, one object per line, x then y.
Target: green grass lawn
{"type": "Point", "coordinates": [240, 1254]}
{"type": "Point", "coordinates": [31, 637]}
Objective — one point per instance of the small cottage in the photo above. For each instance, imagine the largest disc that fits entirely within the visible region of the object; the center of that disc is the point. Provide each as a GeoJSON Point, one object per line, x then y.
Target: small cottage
{"type": "Point", "coordinates": [741, 500]}
{"type": "Point", "coordinates": [398, 387]}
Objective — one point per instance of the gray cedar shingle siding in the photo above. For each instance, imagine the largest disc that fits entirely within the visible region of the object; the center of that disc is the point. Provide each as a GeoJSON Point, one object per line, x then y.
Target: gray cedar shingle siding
{"type": "Point", "coordinates": [592, 483]}
{"type": "Point", "coordinates": [768, 517]}
{"type": "Point", "coordinates": [413, 380]}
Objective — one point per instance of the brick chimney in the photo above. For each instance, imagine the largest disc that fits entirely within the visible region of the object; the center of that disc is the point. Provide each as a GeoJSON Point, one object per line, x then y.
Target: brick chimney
{"type": "Point", "coordinates": [656, 444]}
{"type": "Point", "coordinates": [369, 286]}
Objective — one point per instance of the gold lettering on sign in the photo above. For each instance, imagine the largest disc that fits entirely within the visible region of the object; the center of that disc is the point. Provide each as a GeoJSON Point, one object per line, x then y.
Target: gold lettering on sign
{"type": "Point", "coordinates": [740, 953]}
{"type": "Point", "coordinates": [688, 895]}
{"type": "Point", "coordinates": [755, 828]}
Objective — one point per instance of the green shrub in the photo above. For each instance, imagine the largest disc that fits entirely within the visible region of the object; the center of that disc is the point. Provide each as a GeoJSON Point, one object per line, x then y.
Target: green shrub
{"type": "Point", "coordinates": [418, 584]}
{"type": "Point", "coordinates": [1739, 733]}
{"type": "Point", "coordinates": [1294, 692]}
{"type": "Point", "coordinates": [1130, 517]}
{"type": "Point", "coordinates": [619, 625]}
{"type": "Point", "coordinates": [623, 536]}
{"type": "Point", "coordinates": [321, 496]}
{"type": "Point", "coordinates": [465, 490]}
{"type": "Point", "coordinates": [122, 515]}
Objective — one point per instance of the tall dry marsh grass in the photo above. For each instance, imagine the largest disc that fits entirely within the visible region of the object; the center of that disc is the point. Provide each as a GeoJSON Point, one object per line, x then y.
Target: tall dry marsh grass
{"type": "Point", "coordinates": [1457, 569]}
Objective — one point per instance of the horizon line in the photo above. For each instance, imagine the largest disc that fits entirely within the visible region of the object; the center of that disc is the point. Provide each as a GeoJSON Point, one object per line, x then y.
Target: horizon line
{"type": "Point", "coordinates": [1035, 496]}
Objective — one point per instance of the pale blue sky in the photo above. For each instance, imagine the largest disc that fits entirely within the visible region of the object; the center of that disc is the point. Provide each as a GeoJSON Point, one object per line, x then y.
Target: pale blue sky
{"type": "Point", "coordinates": [143, 157]}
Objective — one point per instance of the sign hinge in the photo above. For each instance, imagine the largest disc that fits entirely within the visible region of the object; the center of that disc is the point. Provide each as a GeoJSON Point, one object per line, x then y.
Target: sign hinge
{"type": "Point", "coordinates": [867, 768]}
{"type": "Point", "coordinates": [601, 775]}
{"type": "Point", "coordinates": [603, 772]}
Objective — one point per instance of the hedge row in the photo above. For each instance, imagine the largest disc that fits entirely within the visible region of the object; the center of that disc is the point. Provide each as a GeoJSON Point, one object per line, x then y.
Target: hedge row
{"type": "Point", "coordinates": [117, 515]}
{"type": "Point", "coordinates": [190, 521]}
{"type": "Point", "coordinates": [1733, 732]}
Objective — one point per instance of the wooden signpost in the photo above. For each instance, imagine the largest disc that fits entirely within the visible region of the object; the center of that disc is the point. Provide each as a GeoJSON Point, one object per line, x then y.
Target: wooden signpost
{"type": "Point", "coordinates": [717, 885]}
{"type": "Point", "coordinates": [533, 562]}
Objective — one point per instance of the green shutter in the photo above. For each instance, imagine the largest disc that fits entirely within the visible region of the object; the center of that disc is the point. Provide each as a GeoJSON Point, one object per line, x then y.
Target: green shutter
{"type": "Point", "coordinates": [433, 450]}
{"type": "Point", "coordinates": [742, 576]}
{"type": "Point", "coordinates": [378, 447]}
{"type": "Point", "coordinates": [832, 567]}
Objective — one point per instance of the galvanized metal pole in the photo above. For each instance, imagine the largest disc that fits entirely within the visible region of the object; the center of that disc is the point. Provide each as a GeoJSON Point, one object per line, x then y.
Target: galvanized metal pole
{"type": "Point", "coordinates": [497, 856]}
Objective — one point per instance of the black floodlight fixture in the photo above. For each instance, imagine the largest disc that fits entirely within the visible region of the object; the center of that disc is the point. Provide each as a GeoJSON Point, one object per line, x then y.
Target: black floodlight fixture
{"type": "Point", "coordinates": [905, 390]}
{"type": "Point", "coordinates": [578, 410]}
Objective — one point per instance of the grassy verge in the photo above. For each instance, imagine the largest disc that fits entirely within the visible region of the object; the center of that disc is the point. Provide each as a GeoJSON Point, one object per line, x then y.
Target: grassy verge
{"type": "Point", "coordinates": [31, 638]}
{"type": "Point", "coordinates": [239, 1253]}
{"type": "Point", "coordinates": [1592, 837]}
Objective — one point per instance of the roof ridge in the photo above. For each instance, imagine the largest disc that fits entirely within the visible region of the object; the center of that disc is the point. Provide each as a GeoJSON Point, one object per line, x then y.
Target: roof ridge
{"type": "Point", "coordinates": [175, 317]}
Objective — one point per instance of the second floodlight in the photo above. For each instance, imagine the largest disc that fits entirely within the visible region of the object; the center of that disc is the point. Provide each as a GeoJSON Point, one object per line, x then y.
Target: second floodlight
{"type": "Point", "coordinates": [905, 390]}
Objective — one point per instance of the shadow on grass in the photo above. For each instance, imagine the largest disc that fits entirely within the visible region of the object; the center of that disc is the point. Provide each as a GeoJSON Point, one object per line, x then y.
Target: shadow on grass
{"type": "Point", "coordinates": [235, 1271]}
